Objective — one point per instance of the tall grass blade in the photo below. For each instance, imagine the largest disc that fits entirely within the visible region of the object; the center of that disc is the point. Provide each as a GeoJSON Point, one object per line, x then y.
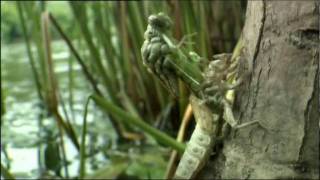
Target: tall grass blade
{"type": "Point", "coordinates": [35, 74]}
{"type": "Point", "coordinates": [125, 44]}
{"type": "Point", "coordinates": [3, 109]}
{"type": "Point", "coordinates": [63, 150]}
{"type": "Point", "coordinates": [71, 87]}
{"type": "Point", "coordinates": [83, 67]}
{"type": "Point", "coordinates": [52, 89]}
{"type": "Point", "coordinates": [79, 11]}
{"type": "Point", "coordinates": [102, 42]}
{"type": "Point", "coordinates": [33, 16]}
{"type": "Point", "coordinates": [128, 118]}
{"type": "Point", "coordinates": [30, 55]}
{"type": "Point", "coordinates": [82, 168]}
{"type": "Point", "coordinates": [76, 54]}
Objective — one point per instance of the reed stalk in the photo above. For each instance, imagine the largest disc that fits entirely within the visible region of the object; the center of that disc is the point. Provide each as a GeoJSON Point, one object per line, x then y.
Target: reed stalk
{"type": "Point", "coordinates": [63, 150]}
{"type": "Point", "coordinates": [33, 15]}
{"type": "Point", "coordinates": [84, 68]}
{"type": "Point", "coordinates": [34, 73]}
{"type": "Point", "coordinates": [70, 87]}
{"type": "Point", "coordinates": [52, 89]}
{"type": "Point", "coordinates": [128, 118]}
{"type": "Point", "coordinates": [76, 54]}
{"type": "Point", "coordinates": [30, 55]}
{"type": "Point", "coordinates": [82, 167]}
{"type": "Point", "coordinates": [79, 11]}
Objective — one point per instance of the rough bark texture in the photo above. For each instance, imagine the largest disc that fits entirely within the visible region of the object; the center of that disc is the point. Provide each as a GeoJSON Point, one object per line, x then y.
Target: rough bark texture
{"type": "Point", "coordinates": [282, 44]}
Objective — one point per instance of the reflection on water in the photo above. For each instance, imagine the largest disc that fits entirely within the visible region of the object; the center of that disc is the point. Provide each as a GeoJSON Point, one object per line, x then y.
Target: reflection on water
{"type": "Point", "coordinates": [20, 137]}
{"type": "Point", "coordinates": [19, 130]}
{"type": "Point", "coordinates": [23, 159]}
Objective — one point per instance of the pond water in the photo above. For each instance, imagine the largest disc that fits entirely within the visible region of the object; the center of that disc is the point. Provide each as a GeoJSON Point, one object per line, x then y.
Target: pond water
{"type": "Point", "coordinates": [22, 144]}
{"type": "Point", "coordinates": [19, 130]}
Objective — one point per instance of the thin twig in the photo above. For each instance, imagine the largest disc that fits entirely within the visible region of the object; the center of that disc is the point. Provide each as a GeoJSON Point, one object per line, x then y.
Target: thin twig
{"type": "Point", "coordinates": [174, 155]}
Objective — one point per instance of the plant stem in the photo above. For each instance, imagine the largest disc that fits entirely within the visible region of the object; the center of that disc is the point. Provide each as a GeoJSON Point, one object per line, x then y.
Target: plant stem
{"type": "Point", "coordinates": [52, 88]}
{"type": "Point", "coordinates": [84, 68]}
{"type": "Point", "coordinates": [82, 169]}
{"type": "Point", "coordinates": [76, 54]}
{"type": "Point", "coordinates": [31, 59]}
{"type": "Point", "coordinates": [128, 118]}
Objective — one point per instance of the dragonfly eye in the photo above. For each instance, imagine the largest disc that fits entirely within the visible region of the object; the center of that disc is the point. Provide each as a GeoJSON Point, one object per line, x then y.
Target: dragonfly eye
{"type": "Point", "coordinates": [152, 18]}
{"type": "Point", "coordinates": [160, 21]}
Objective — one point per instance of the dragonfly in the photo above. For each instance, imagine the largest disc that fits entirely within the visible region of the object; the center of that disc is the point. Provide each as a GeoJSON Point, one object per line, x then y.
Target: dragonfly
{"type": "Point", "coordinates": [212, 90]}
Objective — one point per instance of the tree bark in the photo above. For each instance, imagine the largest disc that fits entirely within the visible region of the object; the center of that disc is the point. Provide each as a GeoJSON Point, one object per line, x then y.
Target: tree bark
{"type": "Point", "coordinates": [282, 45]}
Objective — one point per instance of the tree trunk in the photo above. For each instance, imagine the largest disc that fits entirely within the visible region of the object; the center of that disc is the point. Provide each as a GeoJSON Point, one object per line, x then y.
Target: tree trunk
{"type": "Point", "coordinates": [282, 44]}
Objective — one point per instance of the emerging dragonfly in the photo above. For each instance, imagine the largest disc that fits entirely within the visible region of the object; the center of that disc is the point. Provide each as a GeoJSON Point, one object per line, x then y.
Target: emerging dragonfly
{"type": "Point", "coordinates": [165, 59]}
{"type": "Point", "coordinates": [210, 87]}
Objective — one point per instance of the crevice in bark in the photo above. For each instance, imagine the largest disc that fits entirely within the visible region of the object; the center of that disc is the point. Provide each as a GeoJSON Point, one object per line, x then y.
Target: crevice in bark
{"type": "Point", "coordinates": [256, 52]}
{"type": "Point", "coordinates": [302, 165]}
{"type": "Point", "coordinates": [304, 38]}
{"type": "Point", "coordinates": [257, 49]}
{"type": "Point", "coordinates": [256, 92]}
{"type": "Point", "coordinates": [269, 67]}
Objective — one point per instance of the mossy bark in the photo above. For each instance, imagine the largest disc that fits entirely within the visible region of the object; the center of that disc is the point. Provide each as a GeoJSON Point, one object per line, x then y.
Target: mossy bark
{"type": "Point", "coordinates": [281, 42]}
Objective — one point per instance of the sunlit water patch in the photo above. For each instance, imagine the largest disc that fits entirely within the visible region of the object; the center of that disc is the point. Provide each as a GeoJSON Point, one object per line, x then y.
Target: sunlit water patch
{"type": "Point", "coordinates": [20, 131]}
{"type": "Point", "coordinates": [24, 160]}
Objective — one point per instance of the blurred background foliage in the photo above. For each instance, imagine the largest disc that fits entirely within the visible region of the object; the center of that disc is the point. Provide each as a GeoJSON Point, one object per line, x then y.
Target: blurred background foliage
{"type": "Point", "coordinates": [54, 55]}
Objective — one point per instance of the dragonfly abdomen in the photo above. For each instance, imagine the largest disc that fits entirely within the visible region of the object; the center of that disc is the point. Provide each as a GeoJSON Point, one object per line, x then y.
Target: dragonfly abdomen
{"type": "Point", "coordinates": [195, 155]}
